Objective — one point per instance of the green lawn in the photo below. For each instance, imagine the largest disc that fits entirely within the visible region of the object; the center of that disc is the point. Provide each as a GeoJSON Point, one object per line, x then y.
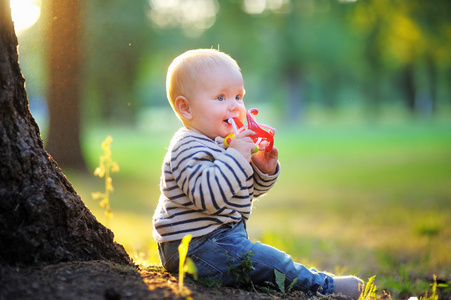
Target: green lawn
{"type": "Point", "coordinates": [369, 200]}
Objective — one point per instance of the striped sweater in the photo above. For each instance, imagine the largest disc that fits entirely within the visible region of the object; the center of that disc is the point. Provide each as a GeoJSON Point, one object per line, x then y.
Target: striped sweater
{"type": "Point", "coordinates": [204, 186]}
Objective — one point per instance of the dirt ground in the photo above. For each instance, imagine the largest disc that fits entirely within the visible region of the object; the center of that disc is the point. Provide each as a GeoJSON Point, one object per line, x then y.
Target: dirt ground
{"type": "Point", "coordinates": [102, 280]}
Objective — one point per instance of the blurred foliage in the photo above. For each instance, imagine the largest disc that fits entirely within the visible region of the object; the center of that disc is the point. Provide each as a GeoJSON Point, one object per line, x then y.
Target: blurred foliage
{"type": "Point", "coordinates": [294, 55]}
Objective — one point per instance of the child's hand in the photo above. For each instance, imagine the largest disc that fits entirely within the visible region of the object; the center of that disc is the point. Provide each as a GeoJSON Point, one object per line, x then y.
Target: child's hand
{"type": "Point", "coordinates": [244, 144]}
{"type": "Point", "coordinates": [266, 161]}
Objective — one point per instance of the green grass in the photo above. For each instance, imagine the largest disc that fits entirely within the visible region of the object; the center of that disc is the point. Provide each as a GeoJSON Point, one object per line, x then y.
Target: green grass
{"type": "Point", "coordinates": [351, 198]}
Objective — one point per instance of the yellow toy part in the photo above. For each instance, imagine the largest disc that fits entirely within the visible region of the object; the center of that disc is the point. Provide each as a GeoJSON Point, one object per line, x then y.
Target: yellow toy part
{"type": "Point", "coordinates": [228, 139]}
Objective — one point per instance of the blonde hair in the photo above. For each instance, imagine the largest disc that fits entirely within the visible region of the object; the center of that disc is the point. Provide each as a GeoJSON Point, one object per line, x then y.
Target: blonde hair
{"type": "Point", "coordinates": [185, 69]}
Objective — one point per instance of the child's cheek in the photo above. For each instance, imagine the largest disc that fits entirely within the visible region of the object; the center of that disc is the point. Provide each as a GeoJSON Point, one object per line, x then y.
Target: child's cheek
{"type": "Point", "coordinates": [242, 113]}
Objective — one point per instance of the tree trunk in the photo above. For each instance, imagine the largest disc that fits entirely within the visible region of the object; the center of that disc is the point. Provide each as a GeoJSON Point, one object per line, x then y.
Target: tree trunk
{"type": "Point", "coordinates": [64, 99]}
{"type": "Point", "coordinates": [408, 87]}
{"type": "Point", "coordinates": [295, 104]}
{"type": "Point", "coordinates": [373, 89]}
{"type": "Point", "coordinates": [42, 219]}
{"type": "Point", "coordinates": [432, 78]}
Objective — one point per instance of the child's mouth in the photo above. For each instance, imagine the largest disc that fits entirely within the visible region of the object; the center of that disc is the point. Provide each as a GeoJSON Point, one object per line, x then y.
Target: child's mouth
{"type": "Point", "coordinates": [233, 122]}
{"type": "Point", "coordinates": [227, 121]}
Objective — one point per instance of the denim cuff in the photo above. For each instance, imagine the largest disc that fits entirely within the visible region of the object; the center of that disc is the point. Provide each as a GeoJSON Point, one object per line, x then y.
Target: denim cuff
{"type": "Point", "coordinates": [327, 286]}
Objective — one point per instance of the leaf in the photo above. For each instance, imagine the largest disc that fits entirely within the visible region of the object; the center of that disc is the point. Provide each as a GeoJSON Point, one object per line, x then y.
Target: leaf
{"type": "Point", "coordinates": [369, 285]}
{"type": "Point", "coordinates": [100, 171]}
{"type": "Point", "coordinates": [292, 284]}
{"type": "Point", "coordinates": [114, 167]}
{"type": "Point", "coordinates": [190, 267]}
{"type": "Point", "coordinates": [109, 184]}
{"type": "Point", "coordinates": [108, 214]}
{"type": "Point", "coordinates": [370, 289]}
{"type": "Point", "coordinates": [183, 248]}
{"type": "Point", "coordinates": [183, 251]}
{"type": "Point", "coordinates": [97, 195]}
{"type": "Point", "coordinates": [280, 280]}
{"type": "Point", "coordinates": [104, 202]}
{"type": "Point", "coordinates": [106, 143]}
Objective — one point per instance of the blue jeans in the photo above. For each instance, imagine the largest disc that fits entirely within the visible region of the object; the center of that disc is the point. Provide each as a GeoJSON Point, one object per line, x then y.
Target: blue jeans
{"type": "Point", "coordinates": [216, 253]}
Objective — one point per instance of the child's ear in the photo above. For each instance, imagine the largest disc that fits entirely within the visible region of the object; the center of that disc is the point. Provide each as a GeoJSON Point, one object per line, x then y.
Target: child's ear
{"type": "Point", "coordinates": [182, 105]}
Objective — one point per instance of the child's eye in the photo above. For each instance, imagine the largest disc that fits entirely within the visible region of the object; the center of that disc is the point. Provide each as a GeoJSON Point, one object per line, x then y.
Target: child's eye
{"type": "Point", "coordinates": [220, 98]}
{"type": "Point", "coordinates": [238, 97]}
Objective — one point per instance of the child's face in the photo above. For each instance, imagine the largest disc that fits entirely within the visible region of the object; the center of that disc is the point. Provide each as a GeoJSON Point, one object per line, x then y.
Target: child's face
{"type": "Point", "coordinates": [219, 96]}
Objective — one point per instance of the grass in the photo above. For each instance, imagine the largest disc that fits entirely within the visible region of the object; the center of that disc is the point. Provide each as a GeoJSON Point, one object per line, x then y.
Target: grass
{"type": "Point", "coordinates": [351, 198]}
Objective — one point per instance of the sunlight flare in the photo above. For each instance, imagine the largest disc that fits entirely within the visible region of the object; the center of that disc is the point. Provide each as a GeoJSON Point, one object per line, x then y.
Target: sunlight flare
{"type": "Point", "coordinates": [25, 13]}
{"type": "Point", "coordinates": [256, 7]}
{"type": "Point", "coordinates": [193, 16]}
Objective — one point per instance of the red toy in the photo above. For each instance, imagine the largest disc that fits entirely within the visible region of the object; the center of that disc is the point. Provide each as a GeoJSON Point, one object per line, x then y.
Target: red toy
{"type": "Point", "coordinates": [260, 135]}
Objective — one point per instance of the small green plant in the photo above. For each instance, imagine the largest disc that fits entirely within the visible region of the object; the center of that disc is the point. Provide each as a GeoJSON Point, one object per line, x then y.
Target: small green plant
{"type": "Point", "coordinates": [433, 295]}
{"type": "Point", "coordinates": [280, 281]}
{"type": "Point", "coordinates": [369, 290]}
{"type": "Point", "coordinates": [106, 166]}
{"type": "Point", "coordinates": [186, 264]}
{"type": "Point", "coordinates": [241, 272]}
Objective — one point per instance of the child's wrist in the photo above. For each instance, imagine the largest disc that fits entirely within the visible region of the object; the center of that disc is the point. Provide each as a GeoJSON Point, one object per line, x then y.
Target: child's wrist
{"type": "Point", "coordinates": [271, 173]}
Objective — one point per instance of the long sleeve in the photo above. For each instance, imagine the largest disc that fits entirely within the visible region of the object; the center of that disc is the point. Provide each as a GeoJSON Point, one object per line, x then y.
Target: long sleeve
{"type": "Point", "coordinates": [264, 182]}
{"type": "Point", "coordinates": [203, 186]}
{"type": "Point", "coordinates": [209, 182]}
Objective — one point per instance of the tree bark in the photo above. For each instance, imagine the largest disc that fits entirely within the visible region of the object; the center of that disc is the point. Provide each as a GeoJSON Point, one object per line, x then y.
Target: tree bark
{"type": "Point", "coordinates": [64, 99]}
{"type": "Point", "coordinates": [42, 219]}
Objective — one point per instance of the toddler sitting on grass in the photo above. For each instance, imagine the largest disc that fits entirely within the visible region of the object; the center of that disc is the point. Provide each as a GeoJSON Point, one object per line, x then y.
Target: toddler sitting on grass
{"type": "Point", "coordinates": [207, 189]}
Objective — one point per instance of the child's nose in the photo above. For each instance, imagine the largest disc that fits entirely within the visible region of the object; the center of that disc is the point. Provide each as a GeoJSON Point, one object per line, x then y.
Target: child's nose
{"type": "Point", "coordinates": [234, 105]}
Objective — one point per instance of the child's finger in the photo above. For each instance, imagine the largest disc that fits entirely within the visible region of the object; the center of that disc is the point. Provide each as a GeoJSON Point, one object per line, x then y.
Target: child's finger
{"type": "Point", "coordinates": [245, 133]}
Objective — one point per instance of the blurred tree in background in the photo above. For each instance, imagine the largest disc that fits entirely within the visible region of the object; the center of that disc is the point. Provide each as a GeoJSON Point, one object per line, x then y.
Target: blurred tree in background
{"type": "Point", "coordinates": [118, 35]}
{"type": "Point", "coordinates": [64, 93]}
{"type": "Point", "coordinates": [329, 55]}
{"type": "Point", "coordinates": [407, 42]}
